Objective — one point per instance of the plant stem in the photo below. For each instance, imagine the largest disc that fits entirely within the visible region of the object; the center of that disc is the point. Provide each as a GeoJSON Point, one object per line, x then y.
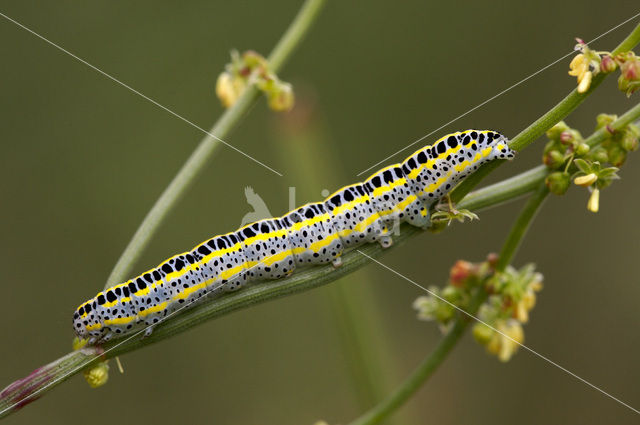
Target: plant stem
{"type": "Point", "coordinates": [520, 227]}
{"type": "Point", "coordinates": [422, 373]}
{"type": "Point", "coordinates": [196, 163]}
{"type": "Point", "coordinates": [47, 377]}
{"type": "Point", "coordinates": [545, 122]}
{"type": "Point", "coordinates": [352, 303]}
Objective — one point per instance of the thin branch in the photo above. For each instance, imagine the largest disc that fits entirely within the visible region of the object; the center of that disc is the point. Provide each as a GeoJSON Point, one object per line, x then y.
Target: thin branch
{"type": "Point", "coordinates": [422, 373]}
{"type": "Point", "coordinates": [545, 122]}
{"type": "Point", "coordinates": [44, 378]}
{"type": "Point", "coordinates": [197, 162]}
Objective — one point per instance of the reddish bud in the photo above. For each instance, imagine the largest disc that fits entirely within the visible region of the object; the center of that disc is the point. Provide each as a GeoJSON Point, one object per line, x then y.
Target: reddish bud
{"type": "Point", "coordinates": [607, 64]}
{"type": "Point", "coordinates": [460, 272]}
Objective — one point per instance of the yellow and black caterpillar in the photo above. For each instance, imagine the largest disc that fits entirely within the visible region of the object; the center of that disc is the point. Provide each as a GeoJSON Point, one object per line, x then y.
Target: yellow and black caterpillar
{"type": "Point", "coordinates": [314, 233]}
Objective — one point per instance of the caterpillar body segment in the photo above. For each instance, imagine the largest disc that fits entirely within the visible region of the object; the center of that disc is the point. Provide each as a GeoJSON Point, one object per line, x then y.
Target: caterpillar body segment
{"type": "Point", "coordinates": [354, 216]}
{"type": "Point", "coordinates": [313, 234]}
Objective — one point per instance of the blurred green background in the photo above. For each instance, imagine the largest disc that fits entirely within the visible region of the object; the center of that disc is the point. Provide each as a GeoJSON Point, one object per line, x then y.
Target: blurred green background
{"type": "Point", "coordinates": [83, 160]}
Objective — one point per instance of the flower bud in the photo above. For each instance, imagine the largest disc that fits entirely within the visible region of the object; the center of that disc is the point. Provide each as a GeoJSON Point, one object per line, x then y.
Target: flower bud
{"type": "Point", "coordinates": [585, 181]}
{"type": "Point", "coordinates": [281, 98]}
{"type": "Point", "coordinates": [557, 182]}
{"type": "Point", "coordinates": [492, 259]}
{"type": "Point", "coordinates": [451, 294]}
{"type": "Point", "coordinates": [605, 119]}
{"type": "Point", "coordinates": [553, 160]}
{"type": "Point", "coordinates": [482, 333]}
{"type": "Point", "coordinates": [599, 154]}
{"type": "Point", "coordinates": [617, 155]}
{"type": "Point", "coordinates": [630, 69]}
{"type": "Point", "coordinates": [554, 132]}
{"type": "Point", "coordinates": [460, 272]}
{"type": "Point", "coordinates": [629, 80]}
{"type": "Point", "coordinates": [566, 137]}
{"type": "Point", "coordinates": [629, 142]}
{"type": "Point", "coordinates": [582, 149]}
{"type": "Point", "coordinates": [607, 64]}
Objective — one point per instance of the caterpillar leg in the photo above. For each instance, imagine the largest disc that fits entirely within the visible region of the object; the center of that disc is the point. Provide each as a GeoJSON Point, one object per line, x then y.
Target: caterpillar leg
{"type": "Point", "coordinates": [385, 241]}
{"type": "Point", "coordinates": [446, 212]}
{"type": "Point", "coordinates": [148, 332]}
{"type": "Point", "coordinates": [107, 337]}
{"type": "Point", "coordinates": [337, 262]}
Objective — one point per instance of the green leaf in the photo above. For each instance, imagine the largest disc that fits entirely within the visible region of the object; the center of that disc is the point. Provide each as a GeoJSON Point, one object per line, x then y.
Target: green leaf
{"type": "Point", "coordinates": [583, 165]}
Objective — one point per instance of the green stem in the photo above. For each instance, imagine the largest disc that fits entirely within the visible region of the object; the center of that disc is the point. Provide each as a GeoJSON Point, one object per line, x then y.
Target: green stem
{"type": "Point", "coordinates": [422, 373]}
{"type": "Point", "coordinates": [43, 379]}
{"type": "Point", "coordinates": [545, 122]}
{"type": "Point", "coordinates": [46, 377]}
{"type": "Point", "coordinates": [352, 303]}
{"type": "Point", "coordinates": [520, 227]}
{"type": "Point", "coordinates": [196, 163]}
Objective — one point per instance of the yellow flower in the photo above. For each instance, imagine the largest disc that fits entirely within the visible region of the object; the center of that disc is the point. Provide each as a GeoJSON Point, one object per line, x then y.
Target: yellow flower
{"type": "Point", "coordinates": [580, 68]}
{"type": "Point", "coordinates": [594, 201]}
{"type": "Point", "coordinates": [585, 82]}
{"type": "Point", "coordinates": [98, 375]}
{"type": "Point", "coordinates": [586, 180]}
{"type": "Point", "coordinates": [229, 89]}
{"type": "Point", "coordinates": [579, 65]}
{"type": "Point", "coordinates": [506, 341]}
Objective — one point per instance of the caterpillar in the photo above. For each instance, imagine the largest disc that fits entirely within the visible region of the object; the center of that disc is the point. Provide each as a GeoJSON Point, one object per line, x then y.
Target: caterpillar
{"type": "Point", "coordinates": [315, 233]}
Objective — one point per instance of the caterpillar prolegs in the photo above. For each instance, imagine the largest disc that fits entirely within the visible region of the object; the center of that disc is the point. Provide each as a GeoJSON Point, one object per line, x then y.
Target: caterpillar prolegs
{"type": "Point", "coordinates": [315, 233]}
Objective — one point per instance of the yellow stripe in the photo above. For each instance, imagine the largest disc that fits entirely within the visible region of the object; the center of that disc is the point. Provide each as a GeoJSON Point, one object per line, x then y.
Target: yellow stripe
{"type": "Point", "coordinates": [351, 204]}
{"type": "Point", "coordinates": [108, 305]}
{"type": "Point", "coordinates": [436, 184]}
{"type": "Point", "coordinates": [94, 326]}
{"type": "Point", "coordinates": [318, 245]}
{"type": "Point", "coordinates": [402, 205]}
{"type": "Point", "coordinates": [466, 163]}
{"type": "Point", "coordinates": [264, 236]}
{"type": "Point", "coordinates": [310, 221]}
{"type": "Point", "coordinates": [379, 191]}
{"type": "Point", "coordinates": [119, 320]}
{"type": "Point", "coordinates": [152, 310]}
{"type": "Point", "coordinates": [414, 173]}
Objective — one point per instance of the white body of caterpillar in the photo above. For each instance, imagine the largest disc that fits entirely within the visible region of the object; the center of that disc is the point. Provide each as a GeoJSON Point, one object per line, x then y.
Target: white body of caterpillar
{"type": "Point", "coordinates": [315, 233]}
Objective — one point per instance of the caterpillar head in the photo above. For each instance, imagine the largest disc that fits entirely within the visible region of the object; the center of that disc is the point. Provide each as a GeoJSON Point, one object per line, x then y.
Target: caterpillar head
{"type": "Point", "coordinates": [499, 143]}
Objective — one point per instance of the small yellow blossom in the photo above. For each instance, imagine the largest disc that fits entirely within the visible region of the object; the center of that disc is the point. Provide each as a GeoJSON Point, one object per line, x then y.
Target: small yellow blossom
{"type": "Point", "coordinates": [506, 341]}
{"type": "Point", "coordinates": [229, 89]}
{"type": "Point", "coordinates": [586, 180]}
{"type": "Point", "coordinates": [585, 82]}
{"type": "Point", "coordinates": [98, 375]}
{"type": "Point", "coordinates": [583, 66]}
{"type": "Point", "coordinates": [594, 201]}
